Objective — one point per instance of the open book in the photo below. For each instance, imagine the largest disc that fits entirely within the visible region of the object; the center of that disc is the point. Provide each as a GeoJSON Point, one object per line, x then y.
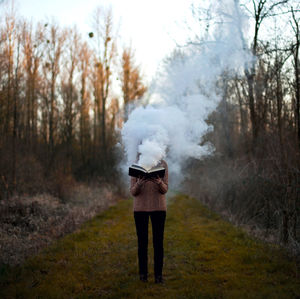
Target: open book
{"type": "Point", "coordinates": [139, 171]}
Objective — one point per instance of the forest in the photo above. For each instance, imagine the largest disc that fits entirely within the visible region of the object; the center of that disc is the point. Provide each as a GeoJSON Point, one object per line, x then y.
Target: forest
{"type": "Point", "coordinates": [58, 109]}
{"type": "Point", "coordinates": [254, 177]}
{"type": "Point", "coordinates": [61, 115]}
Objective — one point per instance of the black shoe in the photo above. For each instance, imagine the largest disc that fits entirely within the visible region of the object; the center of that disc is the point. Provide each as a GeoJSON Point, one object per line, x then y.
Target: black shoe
{"type": "Point", "coordinates": [159, 279]}
{"type": "Point", "coordinates": [143, 277]}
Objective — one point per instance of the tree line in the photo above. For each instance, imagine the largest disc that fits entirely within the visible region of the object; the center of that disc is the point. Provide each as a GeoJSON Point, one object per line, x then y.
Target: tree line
{"type": "Point", "coordinates": [59, 107]}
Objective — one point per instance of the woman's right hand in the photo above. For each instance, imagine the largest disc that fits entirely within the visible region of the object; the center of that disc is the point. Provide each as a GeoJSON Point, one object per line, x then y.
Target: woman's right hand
{"type": "Point", "coordinates": [141, 181]}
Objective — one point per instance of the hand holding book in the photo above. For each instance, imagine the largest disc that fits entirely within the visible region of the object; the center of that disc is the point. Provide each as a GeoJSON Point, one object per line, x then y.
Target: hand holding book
{"type": "Point", "coordinates": [158, 175]}
{"type": "Point", "coordinates": [141, 180]}
{"type": "Point", "coordinates": [158, 180]}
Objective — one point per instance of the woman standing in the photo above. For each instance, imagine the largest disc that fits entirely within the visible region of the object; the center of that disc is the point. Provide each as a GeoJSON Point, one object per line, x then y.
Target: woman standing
{"type": "Point", "coordinates": [150, 201]}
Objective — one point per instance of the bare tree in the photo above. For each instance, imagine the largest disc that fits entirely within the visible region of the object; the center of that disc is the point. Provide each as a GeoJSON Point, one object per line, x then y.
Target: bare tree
{"type": "Point", "coordinates": [132, 86]}
{"type": "Point", "coordinates": [85, 55]}
{"type": "Point", "coordinates": [105, 54]}
{"type": "Point", "coordinates": [9, 48]}
{"type": "Point", "coordinates": [55, 39]}
{"type": "Point", "coordinates": [11, 51]}
{"type": "Point", "coordinates": [296, 63]}
{"type": "Point", "coordinates": [69, 92]}
{"type": "Point", "coordinates": [33, 45]}
{"type": "Point", "coordinates": [261, 10]}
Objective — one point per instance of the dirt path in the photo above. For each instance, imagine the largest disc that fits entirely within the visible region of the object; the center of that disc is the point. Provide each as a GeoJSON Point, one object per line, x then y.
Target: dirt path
{"type": "Point", "coordinates": [205, 257]}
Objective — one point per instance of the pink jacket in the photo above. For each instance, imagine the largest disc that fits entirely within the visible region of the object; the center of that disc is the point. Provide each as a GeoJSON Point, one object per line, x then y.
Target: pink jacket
{"type": "Point", "coordinates": [150, 196]}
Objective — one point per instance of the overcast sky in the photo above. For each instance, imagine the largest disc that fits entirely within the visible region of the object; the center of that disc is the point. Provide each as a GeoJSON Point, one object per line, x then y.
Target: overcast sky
{"type": "Point", "coordinates": [151, 26]}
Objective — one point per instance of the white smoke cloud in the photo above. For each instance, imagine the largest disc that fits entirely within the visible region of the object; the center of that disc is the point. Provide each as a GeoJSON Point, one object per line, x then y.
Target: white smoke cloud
{"type": "Point", "coordinates": [173, 128]}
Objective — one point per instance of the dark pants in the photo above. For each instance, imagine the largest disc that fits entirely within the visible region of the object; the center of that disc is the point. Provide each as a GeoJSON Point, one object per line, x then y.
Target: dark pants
{"type": "Point", "coordinates": [158, 223]}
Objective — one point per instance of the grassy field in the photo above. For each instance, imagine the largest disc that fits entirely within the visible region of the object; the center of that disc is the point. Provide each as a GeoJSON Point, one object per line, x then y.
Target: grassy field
{"type": "Point", "coordinates": [205, 257]}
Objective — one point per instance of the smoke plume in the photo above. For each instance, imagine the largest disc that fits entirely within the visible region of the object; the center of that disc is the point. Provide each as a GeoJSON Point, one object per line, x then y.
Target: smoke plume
{"type": "Point", "coordinates": [173, 128]}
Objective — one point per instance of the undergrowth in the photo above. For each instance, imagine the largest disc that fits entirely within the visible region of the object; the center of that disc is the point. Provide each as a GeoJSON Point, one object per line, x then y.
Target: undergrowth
{"type": "Point", "coordinates": [205, 257]}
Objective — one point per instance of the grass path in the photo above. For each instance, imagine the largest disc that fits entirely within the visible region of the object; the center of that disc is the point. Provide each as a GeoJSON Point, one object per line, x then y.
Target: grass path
{"type": "Point", "coordinates": [205, 257]}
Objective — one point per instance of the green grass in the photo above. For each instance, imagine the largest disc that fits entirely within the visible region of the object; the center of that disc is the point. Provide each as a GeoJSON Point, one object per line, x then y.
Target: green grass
{"type": "Point", "coordinates": [205, 257]}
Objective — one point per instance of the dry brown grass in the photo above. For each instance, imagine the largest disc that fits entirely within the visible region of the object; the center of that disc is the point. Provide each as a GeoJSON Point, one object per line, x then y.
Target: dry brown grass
{"type": "Point", "coordinates": [258, 194]}
{"type": "Point", "coordinates": [29, 223]}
